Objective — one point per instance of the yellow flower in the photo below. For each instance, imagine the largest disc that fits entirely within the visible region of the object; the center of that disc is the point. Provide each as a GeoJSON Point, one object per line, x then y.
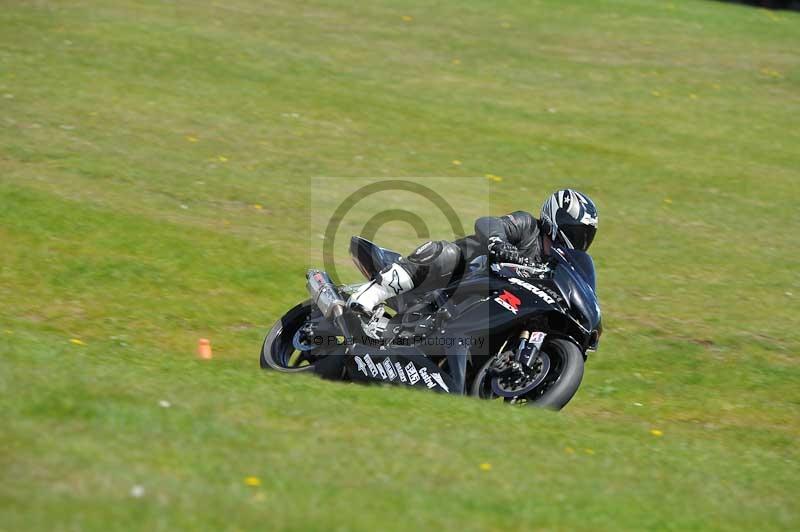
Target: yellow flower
{"type": "Point", "coordinates": [222, 159]}
{"type": "Point", "coordinates": [191, 138]}
{"type": "Point", "coordinates": [655, 93]}
{"type": "Point", "coordinates": [406, 18]}
{"type": "Point", "coordinates": [569, 450]}
{"type": "Point", "coordinates": [76, 341]}
{"type": "Point", "coordinates": [495, 178]}
{"type": "Point", "coordinates": [486, 466]}
{"type": "Point", "coordinates": [252, 481]}
{"type": "Point", "coordinates": [589, 451]}
{"type": "Point", "coordinates": [456, 61]}
{"type": "Point", "coordinates": [667, 200]}
{"type": "Point", "coordinates": [457, 162]}
{"type": "Point", "coordinates": [657, 433]}
{"type": "Point", "coordinates": [258, 206]}
{"type": "Point", "coordinates": [771, 73]}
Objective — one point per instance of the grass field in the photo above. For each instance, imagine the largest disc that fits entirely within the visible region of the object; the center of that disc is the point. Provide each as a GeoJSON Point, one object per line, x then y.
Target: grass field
{"type": "Point", "coordinates": [155, 160]}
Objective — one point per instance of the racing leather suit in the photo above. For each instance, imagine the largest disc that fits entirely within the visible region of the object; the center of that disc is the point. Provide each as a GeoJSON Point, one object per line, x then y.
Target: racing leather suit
{"type": "Point", "coordinates": [437, 262]}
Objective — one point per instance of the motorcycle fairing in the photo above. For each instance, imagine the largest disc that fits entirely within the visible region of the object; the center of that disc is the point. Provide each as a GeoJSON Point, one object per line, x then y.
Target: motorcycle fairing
{"type": "Point", "coordinates": [403, 365]}
{"type": "Point", "coordinates": [576, 278]}
{"type": "Point", "coordinates": [478, 315]}
{"type": "Point", "coordinates": [570, 284]}
{"type": "Point", "coordinates": [564, 292]}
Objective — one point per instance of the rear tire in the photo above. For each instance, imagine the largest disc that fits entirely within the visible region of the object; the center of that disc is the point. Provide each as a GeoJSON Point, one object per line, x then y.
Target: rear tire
{"type": "Point", "coordinates": [277, 347]}
{"type": "Point", "coordinates": [556, 391]}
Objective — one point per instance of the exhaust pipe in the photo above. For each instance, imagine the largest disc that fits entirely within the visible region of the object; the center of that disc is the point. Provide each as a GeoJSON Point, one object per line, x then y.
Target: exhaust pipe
{"type": "Point", "coordinates": [327, 298]}
{"type": "Point", "coordinates": [324, 294]}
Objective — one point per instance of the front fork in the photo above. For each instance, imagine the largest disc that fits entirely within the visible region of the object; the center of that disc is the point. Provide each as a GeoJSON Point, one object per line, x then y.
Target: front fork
{"type": "Point", "coordinates": [523, 358]}
{"type": "Point", "coordinates": [530, 343]}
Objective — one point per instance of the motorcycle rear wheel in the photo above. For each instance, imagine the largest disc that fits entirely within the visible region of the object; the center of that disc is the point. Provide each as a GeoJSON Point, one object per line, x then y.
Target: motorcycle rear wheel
{"type": "Point", "coordinates": [558, 387]}
{"type": "Point", "coordinates": [278, 351]}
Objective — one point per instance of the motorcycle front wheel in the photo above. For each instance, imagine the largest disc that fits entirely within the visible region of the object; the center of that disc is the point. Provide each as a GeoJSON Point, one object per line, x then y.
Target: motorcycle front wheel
{"type": "Point", "coordinates": [559, 385]}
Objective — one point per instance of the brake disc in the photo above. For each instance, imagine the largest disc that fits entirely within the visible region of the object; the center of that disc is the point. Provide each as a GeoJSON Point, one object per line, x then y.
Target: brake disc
{"type": "Point", "coordinates": [521, 381]}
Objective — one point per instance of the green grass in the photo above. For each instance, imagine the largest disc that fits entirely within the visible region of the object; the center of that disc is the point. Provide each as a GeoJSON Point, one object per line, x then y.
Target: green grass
{"type": "Point", "coordinates": [137, 139]}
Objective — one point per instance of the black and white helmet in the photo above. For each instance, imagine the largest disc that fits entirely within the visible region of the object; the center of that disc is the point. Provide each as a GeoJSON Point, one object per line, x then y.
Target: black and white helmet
{"type": "Point", "coordinates": [570, 217]}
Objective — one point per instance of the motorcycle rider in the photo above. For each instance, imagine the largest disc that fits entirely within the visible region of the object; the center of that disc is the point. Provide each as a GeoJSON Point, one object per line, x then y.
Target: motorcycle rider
{"type": "Point", "coordinates": [568, 218]}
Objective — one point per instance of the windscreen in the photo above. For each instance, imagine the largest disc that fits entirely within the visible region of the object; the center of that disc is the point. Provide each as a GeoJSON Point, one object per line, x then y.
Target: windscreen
{"type": "Point", "coordinates": [582, 262]}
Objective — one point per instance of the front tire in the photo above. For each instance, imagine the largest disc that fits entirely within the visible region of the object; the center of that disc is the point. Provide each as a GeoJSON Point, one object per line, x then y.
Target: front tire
{"type": "Point", "coordinates": [558, 387]}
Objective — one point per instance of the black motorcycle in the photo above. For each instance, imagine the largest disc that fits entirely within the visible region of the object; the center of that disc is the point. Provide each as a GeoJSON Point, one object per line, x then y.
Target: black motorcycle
{"type": "Point", "coordinates": [520, 332]}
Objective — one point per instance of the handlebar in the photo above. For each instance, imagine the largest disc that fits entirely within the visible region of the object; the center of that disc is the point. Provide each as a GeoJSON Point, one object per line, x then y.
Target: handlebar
{"type": "Point", "coordinates": [533, 268]}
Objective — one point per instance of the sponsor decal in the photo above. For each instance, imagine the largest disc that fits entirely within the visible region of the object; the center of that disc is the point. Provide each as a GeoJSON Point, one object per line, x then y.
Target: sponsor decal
{"type": "Point", "coordinates": [553, 293]}
{"type": "Point", "coordinates": [371, 365]}
{"type": "Point", "coordinates": [440, 381]}
{"type": "Point", "coordinates": [400, 372]}
{"type": "Point", "coordinates": [508, 301]}
{"type": "Point", "coordinates": [361, 366]}
{"type": "Point", "coordinates": [389, 369]}
{"type": "Point", "coordinates": [409, 375]}
{"type": "Point", "coordinates": [423, 372]}
{"type": "Point", "coordinates": [411, 371]}
{"type": "Point", "coordinates": [541, 294]}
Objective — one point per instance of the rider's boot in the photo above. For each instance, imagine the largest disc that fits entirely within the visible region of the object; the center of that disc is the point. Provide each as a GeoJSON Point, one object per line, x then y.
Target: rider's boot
{"type": "Point", "coordinates": [391, 281]}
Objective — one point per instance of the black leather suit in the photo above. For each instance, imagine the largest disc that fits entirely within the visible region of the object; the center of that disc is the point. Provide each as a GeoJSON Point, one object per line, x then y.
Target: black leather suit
{"type": "Point", "coordinates": [435, 263]}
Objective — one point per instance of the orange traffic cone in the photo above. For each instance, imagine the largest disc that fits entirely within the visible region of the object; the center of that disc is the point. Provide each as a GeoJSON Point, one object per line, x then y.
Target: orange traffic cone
{"type": "Point", "coordinates": [204, 349]}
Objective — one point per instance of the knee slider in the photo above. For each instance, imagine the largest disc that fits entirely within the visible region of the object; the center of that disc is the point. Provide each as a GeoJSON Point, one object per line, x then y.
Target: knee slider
{"type": "Point", "coordinates": [433, 263]}
{"type": "Point", "coordinates": [426, 253]}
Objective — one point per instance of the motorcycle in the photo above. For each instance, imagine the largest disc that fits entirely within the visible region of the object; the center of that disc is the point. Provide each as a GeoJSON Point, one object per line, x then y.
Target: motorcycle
{"type": "Point", "coordinates": [513, 332]}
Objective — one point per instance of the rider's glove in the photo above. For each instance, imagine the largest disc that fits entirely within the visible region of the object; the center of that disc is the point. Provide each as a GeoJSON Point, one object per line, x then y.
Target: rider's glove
{"type": "Point", "coordinates": [503, 251]}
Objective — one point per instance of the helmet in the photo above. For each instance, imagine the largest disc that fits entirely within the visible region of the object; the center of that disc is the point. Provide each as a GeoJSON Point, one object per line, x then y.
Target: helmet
{"type": "Point", "coordinates": [570, 217]}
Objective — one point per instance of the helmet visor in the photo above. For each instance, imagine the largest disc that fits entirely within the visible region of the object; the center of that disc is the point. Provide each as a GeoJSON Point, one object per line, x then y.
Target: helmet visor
{"type": "Point", "coordinates": [578, 236]}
